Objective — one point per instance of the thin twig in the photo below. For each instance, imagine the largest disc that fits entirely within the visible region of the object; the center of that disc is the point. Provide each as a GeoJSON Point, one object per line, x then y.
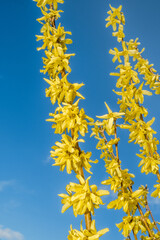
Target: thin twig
{"type": "Point", "coordinates": [148, 208]}
{"type": "Point", "coordinates": [104, 137]}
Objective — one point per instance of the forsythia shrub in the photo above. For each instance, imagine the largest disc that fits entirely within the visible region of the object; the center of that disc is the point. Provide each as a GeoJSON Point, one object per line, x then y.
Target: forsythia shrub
{"type": "Point", "coordinates": [72, 123]}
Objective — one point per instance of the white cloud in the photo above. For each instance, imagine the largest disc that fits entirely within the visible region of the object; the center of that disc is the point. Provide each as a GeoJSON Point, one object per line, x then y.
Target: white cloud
{"type": "Point", "coordinates": [48, 160]}
{"type": "Point", "coordinates": [4, 184]}
{"type": "Point", "coordinates": [8, 234]}
{"type": "Point", "coordinates": [154, 201]}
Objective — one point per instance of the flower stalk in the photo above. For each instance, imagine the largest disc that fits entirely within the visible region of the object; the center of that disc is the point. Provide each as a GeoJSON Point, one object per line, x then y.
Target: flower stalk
{"type": "Point", "coordinates": [132, 98]}
{"type": "Point", "coordinates": [68, 120]}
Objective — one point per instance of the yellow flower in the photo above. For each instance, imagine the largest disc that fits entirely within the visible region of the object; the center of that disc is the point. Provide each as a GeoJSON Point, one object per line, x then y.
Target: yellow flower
{"type": "Point", "coordinates": [116, 17]}
{"type": "Point", "coordinates": [133, 44]}
{"type": "Point", "coordinates": [43, 3]}
{"type": "Point", "coordinates": [111, 116]}
{"type": "Point", "coordinates": [128, 201]}
{"type": "Point", "coordinates": [126, 76]}
{"type": "Point", "coordinates": [48, 15]}
{"type": "Point", "coordinates": [62, 91]}
{"type": "Point", "coordinates": [150, 164]}
{"type": "Point", "coordinates": [66, 154]}
{"type": "Point", "coordinates": [71, 118]}
{"type": "Point", "coordinates": [120, 34]}
{"type": "Point", "coordinates": [156, 193]}
{"type": "Point", "coordinates": [140, 129]}
{"type": "Point", "coordinates": [55, 3]}
{"type": "Point", "coordinates": [56, 61]}
{"type": "Point", "coordinates": [126, 53]}
{"type": "Point", "coordinates": [132, 223]}
{"type": "Point", "coordinates": [117, 181]}
{"type": "Point", "coordinates": [82, 197]}
{"type": "Point", "coordinates": [53, 37]}
{"type": "Point", "coordinates": [139, 94]}
{"type": "Point", "coordinates": [116, 54]}
{"type": "Point", "coordinates": [85, 234]}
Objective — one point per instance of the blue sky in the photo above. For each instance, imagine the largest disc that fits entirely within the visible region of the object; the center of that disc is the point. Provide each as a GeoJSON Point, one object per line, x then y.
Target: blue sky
{"type": "Point", "coordinates": [29, 206]}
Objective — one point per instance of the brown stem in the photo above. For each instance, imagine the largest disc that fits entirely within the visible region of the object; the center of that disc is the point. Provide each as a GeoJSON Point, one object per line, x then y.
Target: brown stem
{"type": "Point", "coordinates": [142, 216]}
{"type": "Point", "coordinates": [116, 145]}
{"type": "Point", "coordinates": [63, 73]}
{"type": "Point", "coordinates": [135, 236]}
{"type": "Point", "coordinates": [158, 175]}
{"type": "Point", "coordinates": [148, 208]}
{"type": "Point", "coordinates": [144, 221]}
{"type": "Point", "coordinates": [88, 220]}
{"type": "Point", "coordinates": [88, 217]}
{"type": "Point", "coordinates": [117, 156]}
{"type": "Point", "coordinates": [105, 139]}
{"type": "Point", "coordinates": [53, 24]}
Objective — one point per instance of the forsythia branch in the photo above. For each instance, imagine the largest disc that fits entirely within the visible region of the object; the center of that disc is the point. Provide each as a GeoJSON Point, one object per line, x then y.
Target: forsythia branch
{"type": "Point", "coordinates": [84, 198]}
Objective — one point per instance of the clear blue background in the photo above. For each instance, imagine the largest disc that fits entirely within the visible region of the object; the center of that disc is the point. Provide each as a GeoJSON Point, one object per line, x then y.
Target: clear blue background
{"type": "Point", "coordinates": [29, 203]}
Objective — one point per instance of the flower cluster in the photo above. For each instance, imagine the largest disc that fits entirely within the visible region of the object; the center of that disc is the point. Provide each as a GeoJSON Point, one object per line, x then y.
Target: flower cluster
{"type": "Point", "coordinates": [93, 234]}
{"type": "Point", "coordinates": [66, 154]}
{"type": "Point", "coordinates": [132, 223]}
{"type": "Point", "coordinates": [85, 197]}
{"type": "Point", "coordinates": [61, 90]}
{"type": "Point", "coordinates": [70, 117]}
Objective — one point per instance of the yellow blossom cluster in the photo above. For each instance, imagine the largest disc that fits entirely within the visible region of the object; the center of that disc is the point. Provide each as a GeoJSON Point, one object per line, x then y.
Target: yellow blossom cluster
{"type": "Point", "coordinates": [133, 223]}
{"type": "Point", "coordinates": [93, 234]}
{"type": "Point", "coordinates": [67, 155]}
{"type": "Point", "coordinates": [128, 200]}
{"type": "Point", "coordinates": [115, 17]}
{"type": "Point", "coordinates": [68, 120]}
{"type": "Point", "coordinates": [82, 197]}
{"type": "Point", "coordinates": [70, 117]}
{"type": "Point", "coordinates": [62, 91]}
{"type": "Point", "coordinates": [43, 3]}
